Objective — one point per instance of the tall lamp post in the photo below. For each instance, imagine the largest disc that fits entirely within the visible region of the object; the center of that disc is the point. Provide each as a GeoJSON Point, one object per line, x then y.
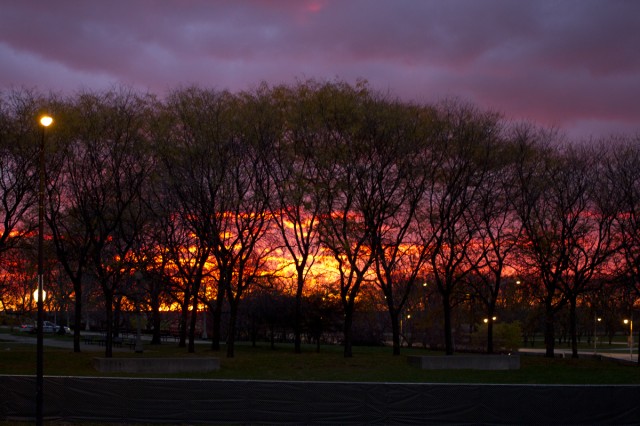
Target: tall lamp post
{"type": "Point", "coordinates": [630, 340]}
{"type": "Point", "coordinates": [596, 320]}
{"type": "Point", "coordinates": [45, 121]}
{"type": "Point", "coordinates": [138, 346]}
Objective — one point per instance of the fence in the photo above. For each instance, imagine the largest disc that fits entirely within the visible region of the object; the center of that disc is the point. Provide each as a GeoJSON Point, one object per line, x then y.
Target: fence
{"type": "Point", "coordinates": [178, 401]}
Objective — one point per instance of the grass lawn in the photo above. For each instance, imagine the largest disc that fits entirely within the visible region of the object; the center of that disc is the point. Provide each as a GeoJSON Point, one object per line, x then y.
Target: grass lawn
{"type": "Point", "coordinates": [369, 364]}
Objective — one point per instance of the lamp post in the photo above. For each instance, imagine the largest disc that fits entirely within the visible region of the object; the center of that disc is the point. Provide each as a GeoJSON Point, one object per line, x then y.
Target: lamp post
{"type": "Point", "coordinates": [204, 313]}
{"type": "Point", "coordinates": [138, 346]}
{"type": "Point", "coordinates": [489, 322]}
{"type": "Point", "coordinates": [596, 320]}
{"type": "Point", "coordinates": [45, 121]}
{"type": "Point", "coordinates": [630, 341]}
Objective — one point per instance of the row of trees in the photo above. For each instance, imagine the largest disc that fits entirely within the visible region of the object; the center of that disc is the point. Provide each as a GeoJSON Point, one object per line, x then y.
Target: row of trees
{"type": "Point", "coordinates": [205, 196]}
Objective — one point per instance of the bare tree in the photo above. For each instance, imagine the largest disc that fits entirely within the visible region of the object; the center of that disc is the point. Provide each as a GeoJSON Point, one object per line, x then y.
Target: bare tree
{"type": "Point", "coordinates": [68, 214]}
{"type": "Point", "coordinates": [343, 182]}
{"type": "Point", "coordinates": [589, 230]}
{"type": "Point", "coordinates": [460, 158]}
{"type": "Point", "coordinates": [18, 166]}
{"type": "Point", "coordinates": [542, 253]}
{"type": "Point", "coordinates": [396, 185]}
{"type": "Point", "coordinates": [498, 234]}
{"type": "Point", "coordinates": [195, 150]}
{"type": "Point", "coordinates": [213, 163]}
{"type": "Point", "coordinates": [553, 204]}
{"type": "Point", "coordinates": [19, 137]}
{"type": "Point", "coordinates": [95, 208]}
{"type": "Point", "coordinates": [623, 177]}
{"type": "Point", "coordinates": [244, 240]}
{"type": "Point", "coordinates": [295, 205]}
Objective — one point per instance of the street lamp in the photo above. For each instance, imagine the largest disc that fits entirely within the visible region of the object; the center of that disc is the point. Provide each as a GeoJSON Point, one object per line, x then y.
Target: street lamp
{"type": "Point", "coordinates": [36, 295]}
{"type": "Point", "coordinates": [630, 341]}
{"type": "Point", "coordinates": [596, 320]}
{"type": "Point", "coordinates": [489, 323]}
{"type": "Point", "coordinates": [45, 121]}
{"type": "Point", "coordinates": [204, 335]}
{"type": "Point", "coordinates": [138, 346]}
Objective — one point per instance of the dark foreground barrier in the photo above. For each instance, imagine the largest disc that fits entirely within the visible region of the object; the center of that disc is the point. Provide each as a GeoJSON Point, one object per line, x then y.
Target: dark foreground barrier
{"type": "Point", "coordinates": [179, 401]}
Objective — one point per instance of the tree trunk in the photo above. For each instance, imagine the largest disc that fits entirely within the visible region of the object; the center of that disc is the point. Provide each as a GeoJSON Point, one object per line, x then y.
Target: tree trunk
{"type": "Point", "coordinates": [216, 333]}
{"type": "Point", "coordinates": [298, 315]}
{"type": "Point", "coordinates": [348, 333]}
{"type": "Point", "coordinates": [117, 302]}
{"type": "Point", "coordinates": [448, 334]}
{"type": "Point", "coordinates": [490, 314]}
{"type": "Point", "coordinates": [549, 332]}
{"type": "Point", "coordinates": [192, 326]}
{"type": "Point", "coordinates": [108, 341]}
{"type": "Point", "coordinates": [77, 317]}
{"type": "Point", "coordinates": [155, 314]}
{"type": "Point", "coordinates": [272, 336]}
{"type": "Point", "coordinates": [395, 330]}
{"type": "Point", "coordinates": [231, 338]}
{"type": "Point", "coordinates": [572, 327]}
{"type": "Point", "coordinates": [490, 334]}
{"type": "Point", "coordinates": [184, 315]}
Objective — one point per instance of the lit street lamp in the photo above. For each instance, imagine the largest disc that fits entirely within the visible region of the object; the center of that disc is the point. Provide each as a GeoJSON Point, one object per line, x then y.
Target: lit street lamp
{"type": "Point", "coordinates": [36, 295]}
{"type": "Point", "coordinates": [630, 341]}
{"type": "Point", "coordinates": [138, 346]}
{"type": "Point", "coordinates": [45, 121]}
{"type": "Point", "coordinates": [596, 320]}
{"type": "Point", "coordinates": [489, 322]}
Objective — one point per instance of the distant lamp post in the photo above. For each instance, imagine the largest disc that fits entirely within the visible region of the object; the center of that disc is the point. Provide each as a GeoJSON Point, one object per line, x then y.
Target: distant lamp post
{"type": "Point", "coordinates": [36, 295]}
{"type": "Point", "coordinates": [204, 335]}
{"type": "Point", "coordinates": [596, 320]}
{"type": "Point", "coordinates": [489, 323]}
{"type": "Point", "coordinates": [630, 340]}
{"type": "Point", "coordinates": [138, 346]}
{"type": "Point", "coordinates": [46, 120]}
{"type": "Point", "coordinates": [40, 294]}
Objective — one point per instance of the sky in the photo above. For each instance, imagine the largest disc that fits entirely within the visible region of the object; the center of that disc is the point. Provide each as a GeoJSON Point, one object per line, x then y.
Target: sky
{"type": "Point", "coordinates": [569, 64]}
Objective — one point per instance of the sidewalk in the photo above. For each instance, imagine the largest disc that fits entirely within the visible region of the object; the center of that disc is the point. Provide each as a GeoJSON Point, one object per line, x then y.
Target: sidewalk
{"type": "Point", "coordinates": [67, 342]}
{"type": "Point", "coordinates": [49, 340]}
{"type": "Point", "coordinates": [622, 356]}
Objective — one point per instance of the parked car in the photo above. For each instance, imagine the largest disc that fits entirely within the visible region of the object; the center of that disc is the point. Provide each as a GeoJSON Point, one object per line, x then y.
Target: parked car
{"type": "Point", "coordinates": [49, 327]}
{"type": "Point", "coordinates": [28, 327]}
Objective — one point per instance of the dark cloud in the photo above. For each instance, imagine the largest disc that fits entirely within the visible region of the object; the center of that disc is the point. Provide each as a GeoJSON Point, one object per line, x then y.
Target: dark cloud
{"type": "Point", "coordinates": [570, 63]}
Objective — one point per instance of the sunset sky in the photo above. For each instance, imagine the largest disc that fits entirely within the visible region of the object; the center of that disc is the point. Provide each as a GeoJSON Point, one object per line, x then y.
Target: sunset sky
{"type": "Point", "coordinates": [573, 64]}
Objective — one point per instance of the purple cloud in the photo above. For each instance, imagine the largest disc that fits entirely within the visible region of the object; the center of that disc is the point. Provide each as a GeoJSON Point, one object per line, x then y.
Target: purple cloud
{"type": "Point", "coordinates": [572, 64]}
